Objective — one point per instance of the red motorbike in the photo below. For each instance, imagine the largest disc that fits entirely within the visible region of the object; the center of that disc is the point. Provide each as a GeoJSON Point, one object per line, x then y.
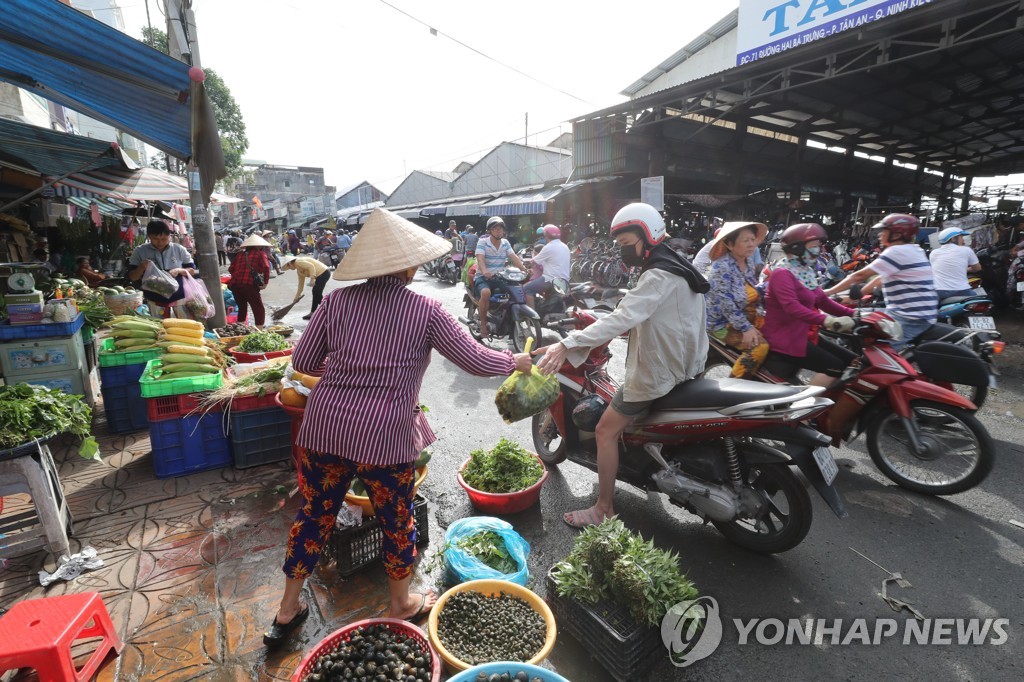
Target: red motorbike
{"type": "Point", "coordinates": [722, 450]}
{"type": "Point", "coordinates": [920, 435]}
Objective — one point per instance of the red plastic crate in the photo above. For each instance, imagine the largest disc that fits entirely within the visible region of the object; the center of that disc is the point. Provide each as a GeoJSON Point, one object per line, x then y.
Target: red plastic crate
{"type": "Point", "coordinates": [174, 406]}
{"type": "Point", "coordinates": [252, 402]}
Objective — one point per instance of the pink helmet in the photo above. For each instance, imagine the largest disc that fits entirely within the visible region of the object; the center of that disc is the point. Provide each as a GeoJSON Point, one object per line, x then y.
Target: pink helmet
{"type": "Point", "coordinates": [552, 232]}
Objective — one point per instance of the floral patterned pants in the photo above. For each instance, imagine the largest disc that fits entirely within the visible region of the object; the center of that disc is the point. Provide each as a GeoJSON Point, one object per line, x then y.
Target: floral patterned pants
{"type": "Point", "coordinates": [324, 482]}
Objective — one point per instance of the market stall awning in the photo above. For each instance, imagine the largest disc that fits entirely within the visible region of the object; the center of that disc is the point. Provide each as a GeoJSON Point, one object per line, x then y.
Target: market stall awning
{"type": "Point", "coordinates": [142, 184]}
{"type": "Point", "coordinates": [465, 208]}
{"type": "Point", "coordinates": [48, 152]}
{"type": "Point", "coordinates": [434, 210]}
{"type": "Point", "coordinates": [409, 213]}
{"type": "Point", "coordinates": [57, 52]}
{"type": "Point", "coordinates": [521, 203]}
{"type": "Point", "coordinates": [106, 208]}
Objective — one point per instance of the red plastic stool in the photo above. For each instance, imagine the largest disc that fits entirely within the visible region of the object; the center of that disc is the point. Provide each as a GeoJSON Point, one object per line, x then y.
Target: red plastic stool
{"type": "Point", "coordinates": [39, 633]}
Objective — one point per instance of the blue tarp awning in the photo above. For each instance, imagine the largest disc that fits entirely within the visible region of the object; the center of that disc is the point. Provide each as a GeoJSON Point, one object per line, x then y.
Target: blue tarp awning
{"type": "Point", "coordinates": [66, 56]}
{"type": "Point", "coordinates": [49, 152]}
{"type": "Point", "coordinates": [521, 203]}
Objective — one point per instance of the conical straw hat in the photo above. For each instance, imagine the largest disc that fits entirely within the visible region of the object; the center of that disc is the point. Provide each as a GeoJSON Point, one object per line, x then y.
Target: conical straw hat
{"type": "Point", "coordinates": [388, 243]}
{"type": "Point", "coordinates": [255, 240]}
{"type": "Point", "coordinates": [719, 250]}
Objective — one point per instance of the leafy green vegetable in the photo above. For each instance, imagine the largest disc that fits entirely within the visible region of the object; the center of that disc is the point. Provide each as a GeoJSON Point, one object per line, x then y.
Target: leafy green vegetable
{"type": "Point", "coordinates": [28, 412]}
{"type": "Point", "coordinates": [488, 547]}
{"type": "Point", "coordinates": [609, 562]}
{"type": "Point", "coordinates": [262, 342]}
{"type": "Point", "coordinates": [506, 468]}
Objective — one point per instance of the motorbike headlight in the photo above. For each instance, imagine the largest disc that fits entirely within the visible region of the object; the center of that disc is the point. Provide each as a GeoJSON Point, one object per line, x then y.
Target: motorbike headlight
{"type": "Point", "coordinates": [514, 275]}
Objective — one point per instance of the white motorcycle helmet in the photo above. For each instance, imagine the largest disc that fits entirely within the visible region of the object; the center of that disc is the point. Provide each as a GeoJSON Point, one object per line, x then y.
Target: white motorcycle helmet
{"type": "Point", "coordinates": [951, 233]}
{"type": "Point", "coordinates": [642, 216]}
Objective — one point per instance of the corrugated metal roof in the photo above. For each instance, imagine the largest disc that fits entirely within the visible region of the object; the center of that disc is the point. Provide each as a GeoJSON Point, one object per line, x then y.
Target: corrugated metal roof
{"type": "Point", "coordinates": [66, 56]}
{"type": "Point", "coordinates": [721, 28]}
{"type": "Point", "coordinates": [49, 152]}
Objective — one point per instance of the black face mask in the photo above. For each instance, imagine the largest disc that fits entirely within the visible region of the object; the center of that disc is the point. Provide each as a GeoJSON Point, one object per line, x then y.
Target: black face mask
{"type": "Point", "coordinates": [630, 257]}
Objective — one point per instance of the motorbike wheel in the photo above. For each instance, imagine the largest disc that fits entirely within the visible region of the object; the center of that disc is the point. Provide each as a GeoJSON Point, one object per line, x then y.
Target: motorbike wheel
{"type": "Point", "coordinates": [786, 513]}
{"type": "Point", "coordinates": [547, 441]}
{"type": "Point", "coordinates": [522, 330]}
{"type": "Point", "coordinates": [960, 451]}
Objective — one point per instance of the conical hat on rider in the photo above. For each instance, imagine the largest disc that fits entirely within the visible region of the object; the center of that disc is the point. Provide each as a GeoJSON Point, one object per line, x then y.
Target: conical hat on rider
{"type": "Point", "coordinates": [718, 243]}
{"type": "Point", "coordinates": [387, 244]}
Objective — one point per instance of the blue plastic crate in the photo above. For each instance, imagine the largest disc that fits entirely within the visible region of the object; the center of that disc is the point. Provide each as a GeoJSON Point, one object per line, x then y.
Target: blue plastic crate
{"type": "Point", "coordinates": [20, 332]}
{"type": "Point", "coordinates": [187, 445]}
{"type": "Point", "coordinates": [124, 375]}
{"type": "Point", "coordinates": [125, 408]}
{"type": "Point", "coordinates": [260, 436]}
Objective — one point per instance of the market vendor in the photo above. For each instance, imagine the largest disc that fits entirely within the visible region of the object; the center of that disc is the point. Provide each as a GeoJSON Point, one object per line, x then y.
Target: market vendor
{"type": "Point", "coordinates": [315, 271]}
{"type": "Point", "coordinates": [84, 272]}
{"type": "Point", "coordinates": [173, 259]}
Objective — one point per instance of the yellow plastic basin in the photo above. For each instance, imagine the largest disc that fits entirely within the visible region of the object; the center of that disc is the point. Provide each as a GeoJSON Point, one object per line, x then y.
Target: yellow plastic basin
{"type": "Point", "coordinates": [364, 502]}
{"type": "Point", "coordinates": [491, 588]}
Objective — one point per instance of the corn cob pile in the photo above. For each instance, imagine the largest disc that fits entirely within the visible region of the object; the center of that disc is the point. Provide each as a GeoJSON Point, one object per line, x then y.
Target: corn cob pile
{"type": "Point", "coordinates": [186, 352]}
{"type": "Point", "coordinates": [133, 333]}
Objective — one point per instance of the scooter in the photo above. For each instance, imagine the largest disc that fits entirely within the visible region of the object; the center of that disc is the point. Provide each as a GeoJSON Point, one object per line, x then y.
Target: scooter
{"type": "Point", "coordinates": [723, 450]}
{"type": "Point", "coordinates": [922, 436]}
{"type": "Point", "coordinates": [507, 314]}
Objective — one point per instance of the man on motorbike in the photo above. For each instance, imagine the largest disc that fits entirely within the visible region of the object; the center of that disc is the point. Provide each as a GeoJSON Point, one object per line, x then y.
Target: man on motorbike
{"type": "Point", "coordinates": [665, 317]}
{"type": "Point", "coordinates": [554, 262]}
{"type": "Point", "coordinates": [951, 262]}
{"type": "Point", "coordinates": [906, 276]}
{"type": "Point", "coordinates": [492, 254]}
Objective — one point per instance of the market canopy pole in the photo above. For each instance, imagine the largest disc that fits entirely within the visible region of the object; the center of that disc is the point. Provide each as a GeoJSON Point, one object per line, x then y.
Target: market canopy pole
{"type": "Point", "coordinates": [182, 40]}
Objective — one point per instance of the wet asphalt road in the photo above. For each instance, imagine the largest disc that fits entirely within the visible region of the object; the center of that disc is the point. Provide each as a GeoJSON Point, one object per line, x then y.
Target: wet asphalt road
{"type": "Point", "coordinates": [961, 555]}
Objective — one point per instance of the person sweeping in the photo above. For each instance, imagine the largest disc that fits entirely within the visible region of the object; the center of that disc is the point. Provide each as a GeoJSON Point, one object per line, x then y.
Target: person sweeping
{"type": "Point", "coordinates": [313, 270]}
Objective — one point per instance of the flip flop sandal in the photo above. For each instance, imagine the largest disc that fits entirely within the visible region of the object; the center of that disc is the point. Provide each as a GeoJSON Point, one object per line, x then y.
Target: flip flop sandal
{"type": "Point", "coordinates": [582, 519]}
{"type": "Point", "coordinates": [279, 632]}
{"type": "Point", "coordinates": [421, 612]}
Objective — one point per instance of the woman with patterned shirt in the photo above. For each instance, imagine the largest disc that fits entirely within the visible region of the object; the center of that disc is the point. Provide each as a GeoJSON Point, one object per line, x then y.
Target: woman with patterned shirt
{"type": "Point", "coordinates": [371, 344]}
{"type": "Point", "coordinates": [734, 313]}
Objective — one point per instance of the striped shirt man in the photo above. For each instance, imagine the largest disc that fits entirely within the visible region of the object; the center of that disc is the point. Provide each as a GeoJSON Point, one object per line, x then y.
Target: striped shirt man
{"type": "Point", "coordinates": [908, 283]}
{"type": "Point", "coordinates": [372, 342]}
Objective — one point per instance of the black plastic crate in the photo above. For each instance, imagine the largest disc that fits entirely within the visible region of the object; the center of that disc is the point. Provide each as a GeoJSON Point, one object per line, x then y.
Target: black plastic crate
{"type": "Point", "coordinates": [356, 548]}
{"type": "Point", "coordinates": [608, 632]}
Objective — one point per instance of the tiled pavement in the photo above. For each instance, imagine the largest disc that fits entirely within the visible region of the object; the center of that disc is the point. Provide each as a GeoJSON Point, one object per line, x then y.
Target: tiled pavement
{"type": "Point", "coordinates": [192, 565]}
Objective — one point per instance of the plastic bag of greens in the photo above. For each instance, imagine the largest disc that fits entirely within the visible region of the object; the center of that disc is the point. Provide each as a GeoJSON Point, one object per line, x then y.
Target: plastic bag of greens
{"type": "Point", "coordinates": [159, 282]}
{"type": "Point", "coordinates": [197, 299]}
{"type": "Point", "coordinates": [524, 395]}
{"type": "Point", "coordinates": [483, 547]}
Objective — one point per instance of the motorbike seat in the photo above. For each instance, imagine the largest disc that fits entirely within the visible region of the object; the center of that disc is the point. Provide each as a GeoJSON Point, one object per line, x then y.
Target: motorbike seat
{"type": "Point", "coordinates": [711, 393]}
{"type": "Point", "coordinates": [960, 299]}
{"type": "Point", "coordinates": [946, 332]}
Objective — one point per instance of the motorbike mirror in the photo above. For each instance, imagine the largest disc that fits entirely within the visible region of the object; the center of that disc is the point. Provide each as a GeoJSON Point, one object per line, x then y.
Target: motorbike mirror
{"type": "Point", "coordinates": [856, 291]}
{"type": "Point", "coordinates": [560, 286]}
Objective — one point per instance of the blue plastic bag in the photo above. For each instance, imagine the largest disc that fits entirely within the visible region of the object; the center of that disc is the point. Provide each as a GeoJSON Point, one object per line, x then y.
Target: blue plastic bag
{"type": "Point", "coordinates": [461, 566]}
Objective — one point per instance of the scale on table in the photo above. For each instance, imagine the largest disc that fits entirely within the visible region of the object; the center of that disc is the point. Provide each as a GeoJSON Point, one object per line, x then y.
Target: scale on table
{"type": "Point", "coordinates": [21, 283]}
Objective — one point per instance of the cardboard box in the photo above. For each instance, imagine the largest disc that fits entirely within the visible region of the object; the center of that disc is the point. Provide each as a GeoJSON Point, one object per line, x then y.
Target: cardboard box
{"type": "Point", "coordinates": [24, 299]}
{"type": "Point", "coordinates": [24, 308]}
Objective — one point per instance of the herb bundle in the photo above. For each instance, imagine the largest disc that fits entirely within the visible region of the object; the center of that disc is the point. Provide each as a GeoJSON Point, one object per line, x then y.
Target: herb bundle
{"type": "Point", "coordinates": [28, 412]}
{"type": "Point", "coordinates": [609, 562]}
{"type": "Point", "coordinates": [262, 342]}
{"type": "Point", "coordinates": [505, 468]}
{"type": "Point", "coordinates": [489, 548]}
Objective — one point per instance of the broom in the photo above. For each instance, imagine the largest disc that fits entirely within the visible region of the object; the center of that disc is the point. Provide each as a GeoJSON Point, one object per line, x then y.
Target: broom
{"type": "Point", "coordinates": [281, 312]}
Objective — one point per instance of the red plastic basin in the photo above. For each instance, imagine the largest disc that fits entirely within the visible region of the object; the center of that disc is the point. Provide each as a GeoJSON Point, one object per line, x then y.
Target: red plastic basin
{"type": "Point", "coordinates": [342, 635]}
{"type": "Point", "coordinates": [504, 503]}
{"type": "Point", "coordinates": [259, 357]}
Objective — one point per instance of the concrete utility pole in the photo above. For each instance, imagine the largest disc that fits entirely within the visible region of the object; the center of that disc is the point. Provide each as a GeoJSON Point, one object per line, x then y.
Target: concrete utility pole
{"type": "Point", "coordinates": [183, 44]}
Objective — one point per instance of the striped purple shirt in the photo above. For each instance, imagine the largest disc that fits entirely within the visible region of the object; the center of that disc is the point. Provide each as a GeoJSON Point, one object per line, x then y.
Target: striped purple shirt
{"type": "Point", "coordinates": [373, 343]}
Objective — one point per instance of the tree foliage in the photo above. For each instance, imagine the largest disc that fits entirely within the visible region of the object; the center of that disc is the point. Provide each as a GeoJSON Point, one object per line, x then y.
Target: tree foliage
{"type": "Point", "coordinates": [230, 124]}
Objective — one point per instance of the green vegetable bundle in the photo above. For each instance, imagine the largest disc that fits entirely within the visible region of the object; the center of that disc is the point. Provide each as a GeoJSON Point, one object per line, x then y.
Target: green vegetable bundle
{"type": "Point", "coordinates": [610, 562]}
{"type": "Point", "coordinates": [29, 412]}
{"type": "Point", "coordinates": [506, 468]}
{"type": "Point", "coordinates": [489, 548]}
{"type": "Point", "coordinates": [262, 342]}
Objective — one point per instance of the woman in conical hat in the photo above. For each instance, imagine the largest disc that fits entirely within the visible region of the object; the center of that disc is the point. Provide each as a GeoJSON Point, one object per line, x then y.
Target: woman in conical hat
{"type": "Point", "coordinates": [371, 343]}
{"type": "Point", "coordinates": [250, 273]}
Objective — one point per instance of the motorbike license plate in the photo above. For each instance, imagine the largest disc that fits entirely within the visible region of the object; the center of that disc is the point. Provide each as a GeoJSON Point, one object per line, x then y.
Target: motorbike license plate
{"type": "Point", "coordinates": [981, 322]}
{"type": "Point", "coordinates": [1020, 286]}
{"type": "Point", "coordinates": [826, 464]}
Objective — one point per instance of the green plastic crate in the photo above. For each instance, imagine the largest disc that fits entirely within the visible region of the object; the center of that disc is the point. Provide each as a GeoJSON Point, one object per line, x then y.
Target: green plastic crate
{"type": "Point", "coordinates": [152, 388]}
{"type": "Point", "coordinates": [111, 358]}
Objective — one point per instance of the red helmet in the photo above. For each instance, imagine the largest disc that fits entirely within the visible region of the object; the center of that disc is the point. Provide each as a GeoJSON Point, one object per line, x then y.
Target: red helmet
{"type": "Point", "coordinates": [900, 225]}
{"type": "Point", "coordinates": [795, 237]}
